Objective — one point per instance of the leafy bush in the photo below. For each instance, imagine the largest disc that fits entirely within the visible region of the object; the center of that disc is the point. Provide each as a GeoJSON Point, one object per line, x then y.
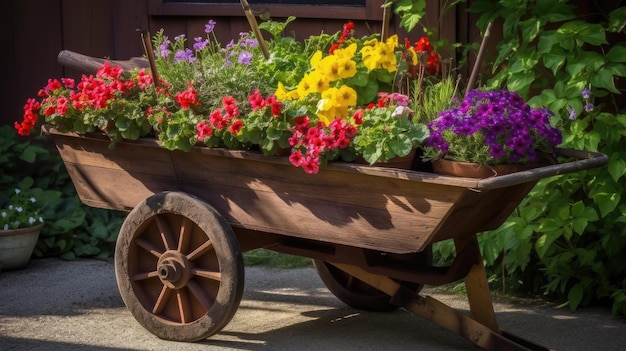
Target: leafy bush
{"type": "Point", "coordinates": [71, 229]}
{"type": "Point", "coordinates": [567, 238]}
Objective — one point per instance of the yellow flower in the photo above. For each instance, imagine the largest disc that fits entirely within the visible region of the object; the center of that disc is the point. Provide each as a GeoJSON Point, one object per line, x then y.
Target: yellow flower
{"type": "Point", "coordinates": [347, 52]}
{"type": "Point", "coordinates": [336, 102]}
{"type": "Point", "coordinates": [283, 94]}
{"type": "Point", "coordinates": [380, 55]}
{"type": "Point", "coordinates": [329, 68]}
{"type": "Point", "coordinates": [305, 87]}
{"type": "Point", "coordinates": [346, 96]}
{"type": "Point", "coordinates": [317, 81]}
{"type": "Point", "coordinates": [346, 68]}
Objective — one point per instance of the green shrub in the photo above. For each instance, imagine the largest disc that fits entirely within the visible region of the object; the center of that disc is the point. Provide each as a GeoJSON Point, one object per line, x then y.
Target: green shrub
{"type": "Point", "coordinates": [71, 229]}
{"type": "Point", "coordinates": [567, 239]}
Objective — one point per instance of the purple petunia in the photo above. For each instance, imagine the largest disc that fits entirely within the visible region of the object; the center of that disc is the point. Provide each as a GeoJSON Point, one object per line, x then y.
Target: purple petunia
{"type": "Point", "coordinates": [500, 121]}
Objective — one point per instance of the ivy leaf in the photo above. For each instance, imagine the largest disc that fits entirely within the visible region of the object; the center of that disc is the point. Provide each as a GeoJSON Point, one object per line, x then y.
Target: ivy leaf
{"type": "Point", "coordinates": [617, 54]}
{"type": "Point", "coordinates": [617, 20]}
{"type": "Point", "coordinates": [604, 79]}
{"type": "Point", "coordinates": [616, 167]}
{"type": "Point", "coordinates": [607, 202]}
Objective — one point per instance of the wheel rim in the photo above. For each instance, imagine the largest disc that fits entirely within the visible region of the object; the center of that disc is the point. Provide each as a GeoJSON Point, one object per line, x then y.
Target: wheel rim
{"type": "Point", "coordinates": [173, 268]}
{"type": "Point", "coordinates": [179, 267]}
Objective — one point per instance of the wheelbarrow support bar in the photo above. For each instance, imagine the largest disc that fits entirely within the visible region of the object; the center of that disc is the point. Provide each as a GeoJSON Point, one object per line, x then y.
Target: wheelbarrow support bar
{"type": "Point", "coordinates": [480, 328]}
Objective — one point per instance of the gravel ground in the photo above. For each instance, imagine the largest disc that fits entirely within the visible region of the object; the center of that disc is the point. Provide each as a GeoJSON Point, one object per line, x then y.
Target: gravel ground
{"type": "Point", "coordinates": [60, 305]}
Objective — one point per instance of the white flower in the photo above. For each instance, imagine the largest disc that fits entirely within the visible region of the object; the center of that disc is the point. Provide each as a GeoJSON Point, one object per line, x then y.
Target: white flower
{"type": "Point", "coordinates": [3, 214]}
{"type": "Point", "coordinates": [33, 200]}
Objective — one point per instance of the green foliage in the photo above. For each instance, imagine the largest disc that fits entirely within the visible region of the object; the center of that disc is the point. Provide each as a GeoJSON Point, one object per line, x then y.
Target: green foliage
{"type": "Point", "coordinates": [71, 229]}
{"type": "Point", "coordinates": [567, 238]}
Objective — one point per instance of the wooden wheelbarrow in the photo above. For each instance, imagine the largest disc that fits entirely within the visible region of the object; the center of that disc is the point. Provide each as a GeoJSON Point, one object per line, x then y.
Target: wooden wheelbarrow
{"type": "Point", "coordinates": [178, 257]}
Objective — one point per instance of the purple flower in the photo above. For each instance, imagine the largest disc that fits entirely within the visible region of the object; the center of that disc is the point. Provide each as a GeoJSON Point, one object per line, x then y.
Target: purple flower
{"type": "Point", "coordinates": [572, 113]}
{"type": "Point", "coordinates": [586, 93]}
{"type": "Point", "coordinates": [249, 43]}
{"type": "Point", "coordinates": [589, 107]}
{"type": "Point", "coordinates": [500, 120]}
{"type": "Point", "coordinates": [244, 58]}
{"type": "Point", "coordinates": [199, 43]}
{"type": "Point", "coordinates": [179, 37]}
{"type": "Point", "coordinates": [184, 55]}
{"type": "Point", "coordinates": [164, 50]}
{"type": "Point", "coordinates": [208, 28]}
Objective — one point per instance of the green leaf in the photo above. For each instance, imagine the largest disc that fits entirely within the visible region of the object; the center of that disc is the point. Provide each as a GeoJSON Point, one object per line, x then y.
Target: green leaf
{"type": "Point", "coordinates": [616, 167]}
{"type": "Point", "coordinates": [607, 202]}
{"type": "Point", "coordinates": [604, 79]}
{"type": "Point", "coordinates": [546, 42]}
{"type": "Point", "coordinates": [617, 54]}
{"type": "Point", "coordinates": [543, 243]}
{"type": "Point", "coordinates": [617, 20]}
{"type": "Point", "coordinates": [575, 296]}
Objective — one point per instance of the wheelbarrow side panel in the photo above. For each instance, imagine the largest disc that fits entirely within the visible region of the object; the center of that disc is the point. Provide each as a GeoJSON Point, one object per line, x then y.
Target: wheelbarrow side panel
{"type": "Point", "coordinates": [118, 178]}
{"type": "Point", "coordinates": [367, 211]}
{"type": "Point", "coordinates": [340, 205]}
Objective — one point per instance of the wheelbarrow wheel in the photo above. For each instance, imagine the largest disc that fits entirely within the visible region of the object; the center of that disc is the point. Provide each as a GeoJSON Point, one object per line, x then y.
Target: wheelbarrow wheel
{"type": "Point", "coordinates": [179, 267]}
{"type": "Point", "coordinates": [355, 293]}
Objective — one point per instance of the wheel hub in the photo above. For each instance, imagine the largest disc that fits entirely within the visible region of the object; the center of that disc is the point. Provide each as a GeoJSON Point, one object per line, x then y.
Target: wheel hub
{"type": "Point", "coordinates": [174, 269]}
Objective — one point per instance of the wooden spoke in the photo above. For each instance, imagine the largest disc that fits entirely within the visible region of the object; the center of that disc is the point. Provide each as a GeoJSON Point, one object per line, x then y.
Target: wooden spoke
{"type": "Point", "coordinates": [186, 231]}
{"type": "Point", "coordinates": [150, 247]}
{"type": "Point", "coordinates": [201, 250]}
{"type": "Point", "coordinates": [184, 307]}
{"type": "Point", "coordinates": [147, 275]}
{"type": "Point", "coordinates": [197, 291]}
{"type": "Point", "coordinates": [217, 276]}
{"type": "Point", "coordinates": [179, 267]}
{"type": "Point", "coordinates": [166, 235]}
{"type": "Point", "coordinates": [161, 301]}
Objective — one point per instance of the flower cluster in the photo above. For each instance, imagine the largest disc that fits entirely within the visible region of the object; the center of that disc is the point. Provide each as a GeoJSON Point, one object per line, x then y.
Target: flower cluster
{"type": "Point", "coordinates": [330, 97]}
{"type": "Point", "coordinates": [93, 103]}
{"type": "Point", "coordinates": [21, 211]}
{"type": "Point", "coordinates": [491, 127]}
{"type": "Point", "coordinates": [386, 129]}
{"type": "Point", "coordinates": [310, 140]}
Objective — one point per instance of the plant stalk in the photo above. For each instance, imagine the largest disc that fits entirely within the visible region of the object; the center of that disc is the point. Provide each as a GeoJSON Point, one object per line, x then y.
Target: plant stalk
{"type": "Point", "coordinates": [255, 28]}
{"type": "Point", "coordinates": [147, 46]}
{"type": "Point", "coordinates": [479, 59]}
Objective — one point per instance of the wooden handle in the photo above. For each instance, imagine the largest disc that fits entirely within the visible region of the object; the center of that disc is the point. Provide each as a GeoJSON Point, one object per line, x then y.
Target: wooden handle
{"type": "Point", "coordinates": [89, 65]}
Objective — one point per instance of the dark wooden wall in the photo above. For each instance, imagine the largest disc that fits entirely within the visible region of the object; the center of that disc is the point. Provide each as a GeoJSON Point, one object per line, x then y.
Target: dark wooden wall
{"type": "Point", "coordinates": [34, 31]}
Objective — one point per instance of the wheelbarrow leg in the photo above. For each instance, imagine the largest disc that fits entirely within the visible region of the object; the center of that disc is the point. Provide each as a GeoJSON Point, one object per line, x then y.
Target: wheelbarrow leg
{"type": "Point", "coordinates": [445, 316]}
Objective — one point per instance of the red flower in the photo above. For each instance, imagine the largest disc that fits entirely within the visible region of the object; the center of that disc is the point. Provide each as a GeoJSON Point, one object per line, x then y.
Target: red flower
{"type": "Point", "coordinates": [256, 100]}
{"type": "Point", "coordinates": [187, 98]}
{"type": "Point", "coordinates": [432, 63]}
{"type": "Point", "coordinates": [235, 128]}
{"type": "Point", "coordinates": [203, 131]}
{"type": "Point", "coordinates": [423, 46]}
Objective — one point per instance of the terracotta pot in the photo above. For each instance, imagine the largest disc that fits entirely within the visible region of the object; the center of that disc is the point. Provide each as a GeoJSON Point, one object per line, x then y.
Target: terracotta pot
{"type": "Point", "coordinates": [17, 245]}
{"type": "Point", "coordinates": [405, 162]}
{"type": "Point", "coordinates": [479, 170]}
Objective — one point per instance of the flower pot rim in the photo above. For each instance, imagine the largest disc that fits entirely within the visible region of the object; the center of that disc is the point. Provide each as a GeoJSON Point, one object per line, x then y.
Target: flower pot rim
{"type": "Point", "coordinates": [21, 230]}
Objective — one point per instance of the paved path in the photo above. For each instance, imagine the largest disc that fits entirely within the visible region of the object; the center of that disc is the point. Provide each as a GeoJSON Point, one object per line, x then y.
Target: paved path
{"type": "Point", "coordinates": [58, 305]}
